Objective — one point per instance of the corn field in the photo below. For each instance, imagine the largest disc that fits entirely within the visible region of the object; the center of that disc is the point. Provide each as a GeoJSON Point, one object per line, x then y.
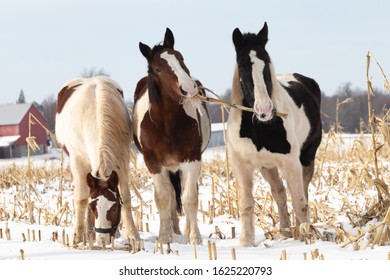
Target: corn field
{"type": "Point", "coordinates": [349, 198]}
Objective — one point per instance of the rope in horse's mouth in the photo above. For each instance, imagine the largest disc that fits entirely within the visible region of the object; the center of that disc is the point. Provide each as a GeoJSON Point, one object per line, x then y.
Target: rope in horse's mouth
{"type": "Point", "coordinates": [227, 104]}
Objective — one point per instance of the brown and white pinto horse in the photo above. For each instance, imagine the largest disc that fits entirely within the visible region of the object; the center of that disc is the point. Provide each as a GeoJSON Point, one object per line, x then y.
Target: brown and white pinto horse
{"type": "Point", "coordinates": [94, 127]}
{"type": "Point", "coordinates": [269, 143]}
{"type": "Point", "coordinates": [171, 130]}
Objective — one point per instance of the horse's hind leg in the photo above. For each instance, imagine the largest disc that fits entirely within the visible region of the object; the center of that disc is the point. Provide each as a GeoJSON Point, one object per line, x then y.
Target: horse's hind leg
{"type": "Point", "coordinates": [162, 196]}
{"type": "Point", "coordinates": [126, 211]}
{"type": "Point", "coordinates": [279, 194]}
{"type": "Point", "coordinates": [190, 175]}
{"type": "Point", "coordinates": [174, 178]}
{"type": "Point", "coordinates": [174, 214]}
{"type": "Point", "coordinates": [307, 173]}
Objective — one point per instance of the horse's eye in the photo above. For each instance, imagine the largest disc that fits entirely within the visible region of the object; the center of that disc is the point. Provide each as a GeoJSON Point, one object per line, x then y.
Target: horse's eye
{"type": "Point", "coordinates": [158, 70]}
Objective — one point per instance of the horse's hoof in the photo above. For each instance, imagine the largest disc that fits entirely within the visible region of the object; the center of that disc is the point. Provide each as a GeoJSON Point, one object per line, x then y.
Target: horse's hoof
{"type": "Point", "coordinates": [306, 231]}
{"type": "Point", "coordinates": [246, 243]}
{"type": "Point", "coordinates": [135, 236]}
{"type": "Point", "coordinates": [196, 240]}
{"type": "Point", "coordinates": [165, 239]}
{"type": "Point", "coordinates": [286, 233]}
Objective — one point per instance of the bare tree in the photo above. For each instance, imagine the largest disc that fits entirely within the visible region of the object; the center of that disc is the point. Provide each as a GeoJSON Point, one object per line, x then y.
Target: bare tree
{"type": "Point", "coordinates": [92, 72]}
{"type": "Point", "coordinates": [48, 107]}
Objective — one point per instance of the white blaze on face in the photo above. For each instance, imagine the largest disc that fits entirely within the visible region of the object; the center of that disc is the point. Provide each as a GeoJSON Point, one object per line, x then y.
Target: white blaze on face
{"type": "Point", "coordinates": [186, 83]}
{"type": "Point", "coordinates": [102, 207]}
{"type": "Point", "coordinates": [263, 104]}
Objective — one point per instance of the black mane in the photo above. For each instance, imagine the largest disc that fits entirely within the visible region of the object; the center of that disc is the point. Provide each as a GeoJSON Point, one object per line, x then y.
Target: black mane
{"type": "Point", "coordinates": [154, 97]}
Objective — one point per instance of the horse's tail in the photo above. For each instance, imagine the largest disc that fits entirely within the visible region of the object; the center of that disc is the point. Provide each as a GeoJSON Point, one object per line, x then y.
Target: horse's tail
{"type": "Point", "coordinates": [175, 180]}
{"type": "Point", "coordinates": [114, 129]}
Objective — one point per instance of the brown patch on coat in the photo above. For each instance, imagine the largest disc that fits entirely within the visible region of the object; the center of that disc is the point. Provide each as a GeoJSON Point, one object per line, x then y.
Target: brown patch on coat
{"type": "Point", "coordinates": [63, 96]}
{"type": "Point", "coordinates": [65, 150]}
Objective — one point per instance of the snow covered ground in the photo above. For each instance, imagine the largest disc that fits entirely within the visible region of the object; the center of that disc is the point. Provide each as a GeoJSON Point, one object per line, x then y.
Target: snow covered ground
{"type": "Point", "coordinates": [267, 251]}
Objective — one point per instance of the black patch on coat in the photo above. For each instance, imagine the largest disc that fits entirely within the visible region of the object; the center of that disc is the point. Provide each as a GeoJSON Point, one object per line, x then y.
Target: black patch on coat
{"type": "Point", "coordinates": [269, 135]}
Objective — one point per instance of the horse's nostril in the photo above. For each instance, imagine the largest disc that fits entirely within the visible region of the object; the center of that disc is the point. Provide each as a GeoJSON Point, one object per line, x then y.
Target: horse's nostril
{"type": "Point", "coordinates": [183, 91]}
{"type": "Point", "coordinates": [262, 115]}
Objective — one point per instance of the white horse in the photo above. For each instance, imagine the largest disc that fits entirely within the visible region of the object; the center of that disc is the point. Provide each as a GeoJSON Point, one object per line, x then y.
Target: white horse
{"type": "Point", "coordinates": [93, 125]}
{"type": "Point", "coordinates": [267, 142]}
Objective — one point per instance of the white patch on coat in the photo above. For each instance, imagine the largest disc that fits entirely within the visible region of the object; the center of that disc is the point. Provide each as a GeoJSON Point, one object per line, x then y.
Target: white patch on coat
{"type": "Point", "coordinates": [142, 107]}
{"type": "Point", "coordinates": [194, 109]}
{"type": "Point", "coordinates": [185, 81]}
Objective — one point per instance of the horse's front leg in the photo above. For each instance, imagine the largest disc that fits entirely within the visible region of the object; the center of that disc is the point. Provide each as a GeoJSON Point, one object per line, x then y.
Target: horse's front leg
{"type": "Point", "coordinates": [81, 196]}
{"type": "Point", "coordinates": [80, 226]}
{"type": "Point", "coordinates": [190, 175]}
{"type": "Point", "coordinates": [243, 171]}
{"type": "Point", "coordinates": [279, 194]}
{"type": "Point", "coordinates": [126, 211]}
{"type": "Point", "coordinates": [162, 196]}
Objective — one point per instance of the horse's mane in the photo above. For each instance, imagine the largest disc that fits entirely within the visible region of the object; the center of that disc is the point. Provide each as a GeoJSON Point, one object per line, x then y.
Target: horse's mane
{"type": "Point", "coordinates": [114, 128]}
{"type": "Point", "coordinates": [237, 94]}
{"type": "Point", "coordinates": [152, 88]}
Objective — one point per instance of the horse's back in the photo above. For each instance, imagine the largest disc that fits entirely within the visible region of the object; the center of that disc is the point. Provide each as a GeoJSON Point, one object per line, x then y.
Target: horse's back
{"type": "Point", "coordinates": [300, 88]}
{"type": "Point", "coordinates": [92, 115]}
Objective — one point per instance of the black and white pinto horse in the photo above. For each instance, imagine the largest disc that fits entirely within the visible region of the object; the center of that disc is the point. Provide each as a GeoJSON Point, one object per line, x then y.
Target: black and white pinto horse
{"type": "Point", "coordinates": [171, 130]}
{"type": "Point", "coordinates": [267, 142]}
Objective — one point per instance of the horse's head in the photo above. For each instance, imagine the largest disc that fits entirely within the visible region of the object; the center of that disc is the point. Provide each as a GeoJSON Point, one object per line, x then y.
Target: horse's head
{"type": "Point", "coordinates": [105, 205]}
{"type": "Point", "coordinates": [167, 70]}
{"type": "Point", "coordinates": [255, 71]}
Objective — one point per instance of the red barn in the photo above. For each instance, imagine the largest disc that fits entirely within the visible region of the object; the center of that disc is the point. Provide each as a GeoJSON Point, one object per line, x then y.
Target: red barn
{"type": "Point", "coordinates": [14, 123]}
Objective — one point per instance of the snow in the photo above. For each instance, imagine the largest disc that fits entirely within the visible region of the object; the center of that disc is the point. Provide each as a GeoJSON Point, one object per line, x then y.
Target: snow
{"type": "Point", "coordinates": [267, 251]}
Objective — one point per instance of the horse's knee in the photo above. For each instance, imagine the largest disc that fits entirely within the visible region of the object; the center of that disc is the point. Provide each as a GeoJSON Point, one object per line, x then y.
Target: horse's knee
{"type": "Point", "coordinates": [247, 212]}
{"type": "Point", "coordinates": [81, 204]}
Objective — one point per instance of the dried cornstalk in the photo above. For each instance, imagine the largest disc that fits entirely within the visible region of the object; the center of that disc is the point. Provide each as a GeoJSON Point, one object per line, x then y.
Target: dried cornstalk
{"type": "Point", "coordinates": [283, 256]}
{"type": "Point", "coordinates": [195, 252]}
{"type": "Point", "coordinates": [209, 250]}
{"type": "Point", "coordinates": [21, 254]}
{"type": "Point", "coordinates": [234, 256]}
{"type": "Point", "coordinates": [214, 250]}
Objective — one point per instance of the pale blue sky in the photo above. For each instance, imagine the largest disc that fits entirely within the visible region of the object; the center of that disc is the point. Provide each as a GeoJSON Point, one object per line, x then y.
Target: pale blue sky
{"type": "Point", "coordinates": [44, 43]}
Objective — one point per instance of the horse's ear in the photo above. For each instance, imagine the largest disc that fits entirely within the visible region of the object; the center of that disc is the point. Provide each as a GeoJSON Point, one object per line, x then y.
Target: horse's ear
{"type": "Point", "coordinates": [146, 51]}
{"type": "Point", "coordinates": [169, 40]}
{"type": "Point", "coordinates": [237, 38]}
{"type": "Point", "coordinates": [91, 181]}
{"type": "Point", "coordinates": [263, 34]}
{"type": "Point", "coordinates": [113, 181]}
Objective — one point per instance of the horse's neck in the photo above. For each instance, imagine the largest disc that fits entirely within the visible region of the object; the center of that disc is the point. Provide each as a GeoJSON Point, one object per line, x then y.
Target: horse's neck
{"type": "Point", "coordinates": [166, 109]}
